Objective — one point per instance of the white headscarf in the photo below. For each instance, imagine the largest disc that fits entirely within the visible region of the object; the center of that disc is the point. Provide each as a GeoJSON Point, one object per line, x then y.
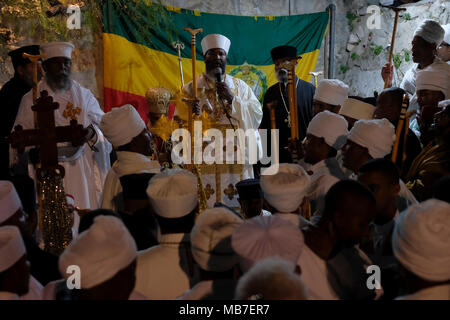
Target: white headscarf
{"type": "Point", "coordinates": [121, 125]}
{"type": "Point", "coordinates": [100, 252]}
{"type": "Point", "coordinates": [431, 31]}
{"type": "Point", "coordinates": [266, 236]}
{"type": "Point", "coordinates": [421, 240]}
{"type": "Point", "coordinates": [173, 193]}
{"type": "Point", "coordinates": [213, 41]}
{"type": "Point", "coordinates": [211, 239]}
{"type": "Point", "coordinates": [285, 189]}
{"type": "Point", "coordinates": [433, 80]}
{"type": "Point", "coordinates": [12, 247]}
{"type": "Point", "coordinates": [57, 49]}
{"type": "Point", "coordinates": [9, 200]}
{"type": "Point", "coordinates": [331, 91]}
{"type": "Point", "coordinates": [377, 135]}
{"type": "Point", "coordinates": [357, 109]}
{"type": "Point", "coordinates": [330, 126]}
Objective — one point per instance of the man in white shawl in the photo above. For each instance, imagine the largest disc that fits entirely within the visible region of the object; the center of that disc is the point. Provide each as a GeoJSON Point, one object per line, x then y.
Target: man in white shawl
{"type": "Point", "coordinates": [421, 245]}
{"type": "Point", "coordinates": [86, 166]}
{"type": "Point", "coordinates": [427, 37]}
{"type": "Point", "coordinates": [127, 132]}
{"type": "Point", "coordinates": [232, 104]}
{"type": "Point", "coordinates": [444, 48]}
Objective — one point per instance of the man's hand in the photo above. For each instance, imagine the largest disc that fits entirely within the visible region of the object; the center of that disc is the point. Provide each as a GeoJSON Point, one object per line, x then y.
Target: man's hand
{"type": "Point", "coordinates": [272, 104]}
{"type": "Point", "coordinates": [224, 92]}
{"type": "Point", "coordinates": [196, 108]}
{"type": "Point", "coordinates": [387, 73]}
{"type": "Point", "coordinates": [90, 133]}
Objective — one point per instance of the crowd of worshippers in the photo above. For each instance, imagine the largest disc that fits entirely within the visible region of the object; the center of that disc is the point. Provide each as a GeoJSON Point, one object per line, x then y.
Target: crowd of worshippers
{"type": "Point", "coordinates": [348, 220]}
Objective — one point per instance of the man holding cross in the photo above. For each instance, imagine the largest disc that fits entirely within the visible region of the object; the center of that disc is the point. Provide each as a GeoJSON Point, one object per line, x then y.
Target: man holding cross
{"type": "Point", "coordinates": [85, 166]}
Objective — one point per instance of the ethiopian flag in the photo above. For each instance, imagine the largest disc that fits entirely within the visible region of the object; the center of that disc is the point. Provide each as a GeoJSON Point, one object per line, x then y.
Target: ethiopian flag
{"type": "Point", "coordinates": [139, 52]}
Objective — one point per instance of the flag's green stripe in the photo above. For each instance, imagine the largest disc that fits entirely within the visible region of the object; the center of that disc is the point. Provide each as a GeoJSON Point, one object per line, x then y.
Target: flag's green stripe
{"type": "Point", "coordinates": [251, 39]}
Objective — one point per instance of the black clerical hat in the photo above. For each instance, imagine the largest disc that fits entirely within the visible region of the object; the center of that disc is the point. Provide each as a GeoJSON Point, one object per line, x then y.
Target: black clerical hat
{"type": "Point", "coordinates": [18, 59]}
{"type": "Point", "coordinates": [283, 52]}
{"type": "Point", "coordinates": [134, 186]}
{"type": "Point", "coordinates": [249, 189]}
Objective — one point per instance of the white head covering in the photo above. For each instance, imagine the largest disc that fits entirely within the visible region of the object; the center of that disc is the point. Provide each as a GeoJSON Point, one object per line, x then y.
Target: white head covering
{"type": "Point", "coordinates": [444, 103]}
{"type": "Point", "coordinates": [330, 126]}
{"type": "Point", "coordinates": [57, 49]}
{"type": "Point", "coordinates": [101, 251]}
{"type": "Point", "coordinates": [433, 80]}
{"type": "Point", "coordinates": [285, 189]}
{"type": "Point", "coordinates": [211, 239]}
{"type": "Point", "coordinates": [121, 125]}
{"type": "Point", "coordinates": [357, 109]}
{"type": "Point", "coordinates": [213, 41]}
{"type": "Point", "coordinates": [331, 91]}
{"type": "Point", "coordinates": [12, 247]}
{"type": "Point", "coordinates": [173, 193]}
{"type": "Point", "coordinates": [9, 200]}
{"type": "Point", "coordinates": [421, 240]}
{"type": "Point", "coordinates": [431, 31]}
{"type": "Point", "coordinates": [377, 135]}
{"type": "Point", "coordinates": [447, 33]}
{"type": "Point", "coordinates": [266, 236]}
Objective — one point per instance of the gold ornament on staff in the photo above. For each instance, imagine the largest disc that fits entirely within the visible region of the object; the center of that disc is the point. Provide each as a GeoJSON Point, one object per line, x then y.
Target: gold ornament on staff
{"type": "Point", "coordinates": [316, 76]}
{"type": "Point", "coordinates": [391, 51]}
{"type": "Point", "coordinates": [290, 66]}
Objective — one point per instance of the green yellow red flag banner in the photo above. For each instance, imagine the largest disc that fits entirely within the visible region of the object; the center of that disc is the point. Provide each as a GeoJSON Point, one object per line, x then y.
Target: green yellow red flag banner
{"type": "Point", "coordinates": [133, 63]}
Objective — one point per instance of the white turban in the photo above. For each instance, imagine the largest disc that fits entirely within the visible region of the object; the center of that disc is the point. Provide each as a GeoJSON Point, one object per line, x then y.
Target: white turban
{"type": "Point", "coordinates": [12, 247]}
{"type": "Point", "coordinates": [357, 109]}
{"type": "Point", "coordinates": [442, 104]}
{"type": "Point", "coordinates": [266, 236]}
{"type": "Point", "coordinates": [57, 49]}
{"type": "Point", "coordinates": [211, 239]}
{"type": "Point", "coordinates": [433, 80]}
{"type": "Point", "coordinates": [173, 193]}
{"type": "Point", "coordinates": [9, 200]}
{"type": "Point", "coordinates": [377, 135]}
{"type": "Point", "coordinates": [121, 125]}
{"type": "Point", "coordinates": [100, 252]}
{"type": "Point", "coordinates": [285, 189]}
{"type": "Point", "coordinates": [431, 31]}
{"type": "Point", "coordinates": [330, 126]}
{"type": "Point", "coordinates": [447, 33]}
{"type": "Point", "coordinates": [331, 91]}
{"type": "Point", "coordinates": [421, 240]}
{"type": "Point", "coordinates": [213, 41]}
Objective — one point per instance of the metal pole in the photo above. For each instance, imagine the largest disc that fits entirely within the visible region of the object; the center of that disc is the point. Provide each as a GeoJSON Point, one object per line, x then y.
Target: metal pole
{"type": "Point", "coordinates": [332, 12]}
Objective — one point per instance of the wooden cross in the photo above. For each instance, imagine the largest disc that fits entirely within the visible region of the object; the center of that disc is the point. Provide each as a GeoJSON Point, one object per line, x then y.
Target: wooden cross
{"type": "Point", "coordinates": [230, 191]}
{"type": "Point", "coordinates": [46, 135]}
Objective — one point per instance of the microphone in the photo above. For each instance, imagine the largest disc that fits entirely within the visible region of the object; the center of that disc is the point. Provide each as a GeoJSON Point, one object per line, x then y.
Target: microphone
{"type": "Point", "coordinates": [218, 77]}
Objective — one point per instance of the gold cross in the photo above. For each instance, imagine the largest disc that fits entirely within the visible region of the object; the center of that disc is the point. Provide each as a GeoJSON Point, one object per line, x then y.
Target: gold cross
{"type": "Point", "coordinates": [209, 191]}
{"type": "Point", "coordinates": [230, 191]}
{"type": "Point", "coordinates": [71, 112]}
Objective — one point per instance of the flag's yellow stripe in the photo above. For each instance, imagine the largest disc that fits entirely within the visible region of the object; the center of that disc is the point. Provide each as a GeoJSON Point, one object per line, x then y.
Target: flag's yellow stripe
{"type": "Point", "coordinates": [133, 68]}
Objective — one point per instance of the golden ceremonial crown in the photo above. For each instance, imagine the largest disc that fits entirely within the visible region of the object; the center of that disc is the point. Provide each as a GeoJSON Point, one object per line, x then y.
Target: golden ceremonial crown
{"type": "Point", "coordinates": [158, 99]}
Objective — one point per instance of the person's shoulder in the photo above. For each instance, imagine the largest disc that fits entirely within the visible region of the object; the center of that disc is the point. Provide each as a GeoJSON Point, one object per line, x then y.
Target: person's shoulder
{"type": "Point", "coordinates": [305, 85]}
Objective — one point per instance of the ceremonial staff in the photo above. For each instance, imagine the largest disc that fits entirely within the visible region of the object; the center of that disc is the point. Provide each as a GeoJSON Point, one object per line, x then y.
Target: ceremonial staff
{"type": "Point", "coordinates": [203, 202]}
{"type": "Point", "coordinates": [179, 46]}
{"type": "Point", "coordinates": [316, 76]}
{"type": "Point", "coordinates": [273, 125]}
{"type": "Point", "coordinates": [400, 125]}
{"type": "Point", "coordinates": [391, 51]}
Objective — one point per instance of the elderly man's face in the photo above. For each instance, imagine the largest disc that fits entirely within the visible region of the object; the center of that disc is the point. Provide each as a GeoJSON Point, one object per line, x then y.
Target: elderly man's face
{"type": "Point", "coordinates": [422, 50]}
{"type": "Point", "coordinates": [280, 70]}
{"type": "Point", "coordinates": [428, 101]}
{"type": "Point", "coordinates": [388, 107]}
{"type": "Point", "coordinates": [441, 122]}
{"type": "Point", "coordinates": [57, 71]}
{"type": "Point", "coordinates": [354, 155]}
{"type": "Point", "coordinates": [215, 61]}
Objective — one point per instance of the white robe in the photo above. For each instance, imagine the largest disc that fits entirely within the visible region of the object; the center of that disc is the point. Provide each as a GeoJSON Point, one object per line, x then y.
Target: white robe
{"type": "Point", "coordinates": [166, 271]}
{"type": "Point", "coordinates": [84, 176]}
{"type": "Point", "coordinates": [314, 275]}
{"type": "Point", "coordinates": [247, 113]}
{"type": "Point", "coordinates": [441, 292]}
{"type": "Point", "coordinates": [127, 163]}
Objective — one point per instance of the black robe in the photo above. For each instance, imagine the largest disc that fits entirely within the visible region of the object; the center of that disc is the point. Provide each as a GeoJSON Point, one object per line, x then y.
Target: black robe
{"type": "Point", "coordinates": [305, 94]}
{"type": "Point", "coordinates": [10, 97]}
